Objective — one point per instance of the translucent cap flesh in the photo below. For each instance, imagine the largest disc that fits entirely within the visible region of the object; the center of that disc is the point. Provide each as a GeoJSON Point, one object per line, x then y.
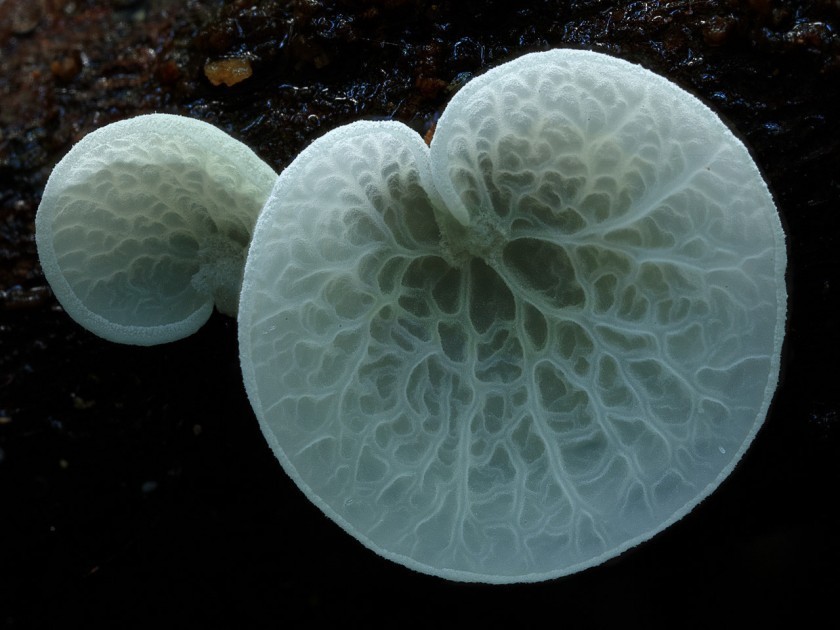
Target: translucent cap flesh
{"type": "Point", "coordinates": [145, 223]}
{"type": "Point", "coordinates": [537, 344]}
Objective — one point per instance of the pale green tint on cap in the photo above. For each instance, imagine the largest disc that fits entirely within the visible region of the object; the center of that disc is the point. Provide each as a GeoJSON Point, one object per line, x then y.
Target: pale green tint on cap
{"type": "Point", "coordinates": [145, 224]}
{"type": "Point", "coordinates": [535, 345]}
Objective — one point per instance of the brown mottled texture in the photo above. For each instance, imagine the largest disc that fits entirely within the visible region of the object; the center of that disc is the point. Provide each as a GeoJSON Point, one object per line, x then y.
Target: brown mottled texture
{"type": "Point", "coordinates": [135, 486]}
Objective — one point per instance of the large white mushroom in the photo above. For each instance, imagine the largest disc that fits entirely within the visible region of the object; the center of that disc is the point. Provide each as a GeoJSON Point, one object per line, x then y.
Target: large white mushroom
{"type": "Point", "coordinates": [145, 223]}
{"type": "Point", "coordinates": [527, 349]}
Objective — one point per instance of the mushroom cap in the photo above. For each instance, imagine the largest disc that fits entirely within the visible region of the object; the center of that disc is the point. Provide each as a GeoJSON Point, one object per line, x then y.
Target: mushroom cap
{"type": "Point", "coordinates": [145, 224]}
{"type": "Point", "coordinates": [523, 351]}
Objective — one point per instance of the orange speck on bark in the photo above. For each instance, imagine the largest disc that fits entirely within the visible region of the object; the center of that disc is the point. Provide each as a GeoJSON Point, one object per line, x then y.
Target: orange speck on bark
{"type": "Point", "coordinates": [227, 71]}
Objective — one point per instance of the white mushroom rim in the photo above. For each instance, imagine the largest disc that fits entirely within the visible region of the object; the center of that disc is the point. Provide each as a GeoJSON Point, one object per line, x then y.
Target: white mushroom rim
{"type": "Point", "coordinates": [144, 225]}
{"type": "Point", "coordinates": [520, 352]}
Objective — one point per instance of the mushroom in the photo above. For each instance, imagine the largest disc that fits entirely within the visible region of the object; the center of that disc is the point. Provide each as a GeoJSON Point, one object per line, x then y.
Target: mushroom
{"type": "Point", "coordinates": [145, 223]}
{"type": "Point", "coordinates": [521, 351]}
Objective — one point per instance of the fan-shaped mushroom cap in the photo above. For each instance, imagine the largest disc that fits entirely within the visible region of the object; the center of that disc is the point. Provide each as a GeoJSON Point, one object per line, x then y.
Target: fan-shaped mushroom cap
{"type": "Point", "coordinates": [528, 349]}
{"type": "Point", "coordinates": [145, 224]}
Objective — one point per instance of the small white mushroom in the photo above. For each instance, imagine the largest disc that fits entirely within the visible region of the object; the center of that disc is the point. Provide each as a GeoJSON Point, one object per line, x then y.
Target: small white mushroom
{"type": "Point", "coordinates": [535, 345]}
{"type": "Point", "coordinates": [145, 224]}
